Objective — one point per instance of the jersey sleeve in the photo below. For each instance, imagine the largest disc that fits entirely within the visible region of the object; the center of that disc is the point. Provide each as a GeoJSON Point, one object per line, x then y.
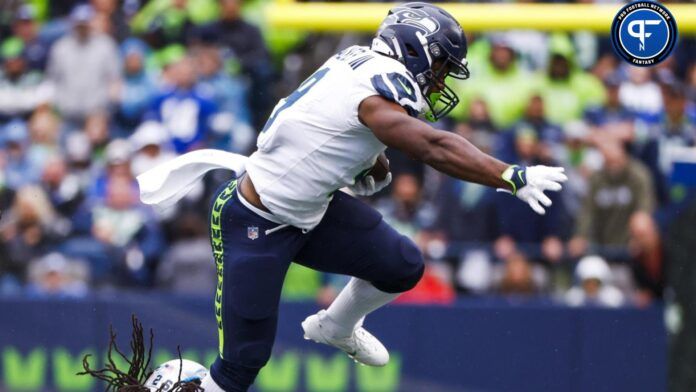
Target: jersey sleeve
{"type": "Point", "coordinates": [387, 78]}
{"type": "Point", "coordinates": [397, 88]}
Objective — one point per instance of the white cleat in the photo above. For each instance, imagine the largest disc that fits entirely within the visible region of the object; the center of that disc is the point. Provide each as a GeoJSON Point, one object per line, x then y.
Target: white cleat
{"type": "Point", "coordinates": [362, 346]}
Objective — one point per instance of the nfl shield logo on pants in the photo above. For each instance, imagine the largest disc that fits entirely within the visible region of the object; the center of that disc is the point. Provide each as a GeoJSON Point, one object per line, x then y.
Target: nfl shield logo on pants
{"type": "Point", "coordinates": [252, 232]}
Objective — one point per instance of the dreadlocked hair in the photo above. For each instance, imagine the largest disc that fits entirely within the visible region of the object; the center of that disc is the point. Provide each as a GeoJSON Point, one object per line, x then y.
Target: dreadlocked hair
{"type": "Point", "coordinates": [139, 368]}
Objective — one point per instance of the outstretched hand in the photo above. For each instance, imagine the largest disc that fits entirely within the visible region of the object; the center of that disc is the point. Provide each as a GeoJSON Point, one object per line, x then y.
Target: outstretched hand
{"type": "Point", "coordinates": [530, 183]}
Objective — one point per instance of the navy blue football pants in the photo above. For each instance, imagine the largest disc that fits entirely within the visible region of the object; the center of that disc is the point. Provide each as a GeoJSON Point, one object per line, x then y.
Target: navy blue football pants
{"type": "Point", "coordinates": [352, 239]}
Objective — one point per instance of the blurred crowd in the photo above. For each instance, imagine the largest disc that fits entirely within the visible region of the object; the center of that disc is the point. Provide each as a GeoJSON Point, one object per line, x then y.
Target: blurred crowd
{"type": "Point", "coordinates": [94, 93]}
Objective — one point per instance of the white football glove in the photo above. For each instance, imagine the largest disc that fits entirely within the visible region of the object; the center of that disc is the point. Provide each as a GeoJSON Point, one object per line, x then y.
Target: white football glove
{"type": "Point", "coordinates": [529, 184]}
{"type": "Point", "coordinates": [367, 185]}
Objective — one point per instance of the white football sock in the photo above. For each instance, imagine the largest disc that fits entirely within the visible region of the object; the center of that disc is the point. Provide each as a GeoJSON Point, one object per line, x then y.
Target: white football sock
{"type": "Point", "coordinates": [353, 303]}
{"type": "Point", "coordinates": [209, 385]}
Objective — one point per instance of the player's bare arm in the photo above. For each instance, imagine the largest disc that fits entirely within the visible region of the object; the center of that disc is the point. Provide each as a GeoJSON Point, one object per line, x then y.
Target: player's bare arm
{"type": "Point", "coordinates": [444, 151]}
{"type": "Point", "coordinates": [454, 155]}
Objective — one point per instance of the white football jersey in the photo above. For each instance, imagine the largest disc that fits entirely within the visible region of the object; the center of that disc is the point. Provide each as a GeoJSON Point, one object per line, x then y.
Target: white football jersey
{"type": "Point", "coordinates": [314, 144]}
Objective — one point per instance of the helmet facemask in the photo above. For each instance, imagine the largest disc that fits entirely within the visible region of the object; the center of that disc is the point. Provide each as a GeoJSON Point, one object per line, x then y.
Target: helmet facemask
{"type": "Point", "coordinates": [440, 97]}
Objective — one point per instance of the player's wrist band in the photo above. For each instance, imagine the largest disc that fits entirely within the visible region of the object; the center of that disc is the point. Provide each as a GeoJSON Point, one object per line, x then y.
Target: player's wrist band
{"type": "Point", "coordinates": [516, 176]}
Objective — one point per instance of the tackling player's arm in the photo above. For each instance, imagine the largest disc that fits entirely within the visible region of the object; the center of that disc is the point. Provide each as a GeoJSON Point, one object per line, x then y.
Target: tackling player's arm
{"type": "Point", "coordinates": [444, 151]}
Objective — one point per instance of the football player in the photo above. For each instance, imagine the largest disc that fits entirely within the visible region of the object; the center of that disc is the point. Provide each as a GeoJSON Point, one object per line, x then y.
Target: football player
{"type": "Point", "coordinates": [323, 137]}
{"type": "Point", "coordinates": [177, 375]}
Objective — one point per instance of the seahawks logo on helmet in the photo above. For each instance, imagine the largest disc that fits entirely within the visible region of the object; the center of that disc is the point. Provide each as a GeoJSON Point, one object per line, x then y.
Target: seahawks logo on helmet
{"type": "Point", "coordinates": [414, 17]}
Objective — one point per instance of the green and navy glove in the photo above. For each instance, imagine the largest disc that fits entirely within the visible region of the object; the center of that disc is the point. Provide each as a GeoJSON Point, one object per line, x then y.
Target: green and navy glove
{"type": "Point", "coordinates": [529, 184]}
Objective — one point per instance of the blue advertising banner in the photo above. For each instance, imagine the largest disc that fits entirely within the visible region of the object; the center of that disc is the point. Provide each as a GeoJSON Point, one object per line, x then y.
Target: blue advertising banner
{"type": "Point", "coordinates": [468, 347]}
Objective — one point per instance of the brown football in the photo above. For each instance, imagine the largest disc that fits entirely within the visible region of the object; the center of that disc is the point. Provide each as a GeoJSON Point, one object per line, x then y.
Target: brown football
{"type": "Point", "coordinates": [381, 168]}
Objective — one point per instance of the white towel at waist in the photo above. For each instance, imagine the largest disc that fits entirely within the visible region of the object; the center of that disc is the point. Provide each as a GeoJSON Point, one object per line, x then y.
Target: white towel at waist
{"type": "Point", "coordinates": [167, 183]}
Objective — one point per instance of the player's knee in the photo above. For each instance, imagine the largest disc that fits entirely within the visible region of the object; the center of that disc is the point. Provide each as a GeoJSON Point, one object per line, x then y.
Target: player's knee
{"type": "Point", "coordinates": [251, 342]}
{"type": "Point", "coordinates": [408, 282]}
{"type": "Point", "coordinates": [407, 271]}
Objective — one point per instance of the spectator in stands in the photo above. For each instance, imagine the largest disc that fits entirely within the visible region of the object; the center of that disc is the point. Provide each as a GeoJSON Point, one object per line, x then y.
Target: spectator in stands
{"type": "Point", "coordinates": [465, 210]}
{"type": "Point", "coordinates": [21, 90]}
{"type": "Point", "coordinates": [405, 209]}
{"type": "Point", "coordinates": [617, 194]}
{"type": "Point", "coordinates": [567, 91]}
{"type": "Point", "coordinates": [658, 144]}
{"type": "Point", "coordinates": [612, 118]}
{"type": "Point", "coordinates": [594, 286]}
{"type": "Point", "coordinates": [186, 267]}
{"type": "Point", "coordinates": [53, 275]}
{"type": "Point", "coordinates": [112, 17]}
{"type": "Point", "coordinates": [62, 188]}
{"type": "Point", "coordinates": [29, 229]}
{"type": "Point", "coordinates": [480, 118]}
{"type": "Point", "coordinates": [18, 169]}
{"type": "Point", "coordinates": [247, 45]}
{"type": "Point", "coordinates": [581, 160]}
{"type": "Point", "coordinates": [641, 95]}
{"type": "Point", "coordinates": [151, 147]}
{"type": "Point", "coordinates": [538, 234]}
{"type": "Point", "coordinates": [84, 67]}
{"type": "Point", "coordinates": [44, 127]}
{"type": "Point", "coordinates": [503, 85]}
{"type": "Point", "coordinates": [232, 122]}
{"type": "Point", "coordinates": [117, 236]}
{"type": "Point", "coordinates": [117, 161]}
{"type": "Point", "coordinates": [166, 59]}
{"type": "Point", "coordinates": [549, 137]}
{"type": "Point", "coordinates": [517, 277]}
{"type": "Point", "coordinates": [96, 129]}
{"type": "Point", "coordinates": [120, 221]}
{"type": "Point", "coordinates": [134, 95]}
{"type": "Point", "coordinates": [678, 130]}
{"type": "Point", "coordinates": [78, 157]}
{"type": "Point", "coordinates": [165, 22]}
{"type": "Point", "coordinates": [616, 121]}
{"type": "Point", "coordinates": [184, 112]}
{"type": "Point", "coordinates": [26, 28]}
{"type": "Point", "coordinates": [606, 66]}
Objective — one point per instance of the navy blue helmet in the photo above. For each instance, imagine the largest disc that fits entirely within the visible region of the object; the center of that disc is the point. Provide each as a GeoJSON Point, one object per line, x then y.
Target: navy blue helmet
{"type": "Point", "coordinates": [432, 46]}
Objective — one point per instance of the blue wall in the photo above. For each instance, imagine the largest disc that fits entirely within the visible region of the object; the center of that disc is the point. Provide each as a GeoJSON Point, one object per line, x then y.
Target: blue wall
{"type": "Point", "coordinates": [469, 347]}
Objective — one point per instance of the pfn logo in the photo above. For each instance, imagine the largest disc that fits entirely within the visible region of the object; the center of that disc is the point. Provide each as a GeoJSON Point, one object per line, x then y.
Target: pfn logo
{"type": "Point", "coordinates": [644, 33]}
{"type": "Point", "coordinates": [640, 33]}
